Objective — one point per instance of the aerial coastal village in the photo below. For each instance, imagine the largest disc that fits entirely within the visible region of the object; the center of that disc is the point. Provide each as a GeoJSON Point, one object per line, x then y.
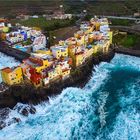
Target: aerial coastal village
{"type": "Point", "coordinates": [46, 65]}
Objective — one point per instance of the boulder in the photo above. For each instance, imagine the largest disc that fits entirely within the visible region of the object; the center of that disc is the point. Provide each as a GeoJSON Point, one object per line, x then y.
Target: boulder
{"type": "Point", "coordinates": [32, 110]}
{"type": "Point", "coordinates": [25, 112]}
{"type": "Point", "coordinates": [2, 125]}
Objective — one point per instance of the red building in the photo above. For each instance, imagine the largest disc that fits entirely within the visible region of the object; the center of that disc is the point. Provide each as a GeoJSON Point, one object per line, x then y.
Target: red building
{"type": "Point", "coordinates": [35, 77]}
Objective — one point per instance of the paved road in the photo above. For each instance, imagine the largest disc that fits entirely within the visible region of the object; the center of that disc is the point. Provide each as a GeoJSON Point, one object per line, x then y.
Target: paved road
{"type": "Point", "coordinates": [129, 18]}
{"type": "Point", "coordinates": [131, 29]}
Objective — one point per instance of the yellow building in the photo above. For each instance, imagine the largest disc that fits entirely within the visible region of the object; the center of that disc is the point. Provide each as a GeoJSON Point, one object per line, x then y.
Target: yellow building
{"type": "Point", "coordinates": [110, 36]}
{"type": "Point", "coordinates": [55, 72]}
{"type": "Point", "coordinates": [79, 58]}
{"type": "Point", "coordinates": [78, 34]}
{"type": "Point", "coordinates": [81, 40]}
{"type": "Point", "coordinates": [77, 54]}
{"type": "Point", "coordinates": [90, 38]}
{"type": "Point", "coordinates": [48, 52]}
{"type": "Point", "coordinates": [59, 51]}
{"type": "Point", "coordinates": [95, 49]}
{"type": "Point", "coordinates": [45, 64]}
{"type": "Point", "coordinates": [90, 29]}
{"type": "Point", "coordinates": [101, 46]}
{"type": "Point", "coordinates": [106, 46]}
{"type": "Point", "coordinates": [40, 61]}
{"type": "Point", "coordinates": [12, 76]}
{"type": "Point", "coordinates": [88, 52]}
{"type": "Point", "coordinates": [64, 52]}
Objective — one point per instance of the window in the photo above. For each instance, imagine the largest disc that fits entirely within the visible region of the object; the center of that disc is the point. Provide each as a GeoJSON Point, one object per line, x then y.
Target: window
{"type": "Point", "coordinates": [13, 78]}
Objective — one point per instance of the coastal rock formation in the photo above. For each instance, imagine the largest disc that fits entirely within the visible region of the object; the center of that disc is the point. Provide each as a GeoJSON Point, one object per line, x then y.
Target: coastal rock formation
{"type": "Point", "coordinates": [26, 93]}
{"type": "Point", "coordinates": [2, 124]}
{"type": "Point", "coordinates": [4, 118]}
{"type": "Point", "coordinates": [25, 110]}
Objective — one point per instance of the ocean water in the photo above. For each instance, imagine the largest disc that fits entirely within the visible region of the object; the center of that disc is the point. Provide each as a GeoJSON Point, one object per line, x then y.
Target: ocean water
{"type": "Point", "coordinates": [107, 108]}
{"type": "Point", "coordinates": [7, 61]}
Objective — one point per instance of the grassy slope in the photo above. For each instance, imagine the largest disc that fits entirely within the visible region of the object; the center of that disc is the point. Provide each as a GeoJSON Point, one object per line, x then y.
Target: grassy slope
{"type": "Point", "coordinates": [128, 41]}
{"type": "Point", "coordinates": [45, 24]}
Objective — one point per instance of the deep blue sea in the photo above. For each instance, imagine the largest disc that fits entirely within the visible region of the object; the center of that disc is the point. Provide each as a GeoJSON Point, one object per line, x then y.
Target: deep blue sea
{"type": "Point", "coordinates": [107, 108]}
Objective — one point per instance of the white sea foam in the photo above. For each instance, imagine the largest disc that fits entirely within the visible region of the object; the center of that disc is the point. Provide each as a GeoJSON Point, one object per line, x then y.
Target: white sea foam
{"type": "Point", "coordinates": [73, 113]}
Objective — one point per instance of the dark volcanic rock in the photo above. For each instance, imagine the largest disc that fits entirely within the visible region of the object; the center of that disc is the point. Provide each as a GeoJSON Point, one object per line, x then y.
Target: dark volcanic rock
{"type": "Point", "coordinates": [14, 120]}
{"type": "Point", "coordinates": [4, 113]}
{"type": "Point", "coordinates": [25, 112]}
{"type": "Point", "coordinates": [32, 110]}
{"type": "Point", "coordinates": [2, 125]}
{"type": "Point", "coordinates": [17, 120]}
{"type": "Point", "coordinates": [28, 94]}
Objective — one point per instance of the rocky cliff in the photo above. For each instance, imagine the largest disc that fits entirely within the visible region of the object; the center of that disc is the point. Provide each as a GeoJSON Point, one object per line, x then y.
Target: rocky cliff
{"type": "Point", "coordinates": [28, 94]}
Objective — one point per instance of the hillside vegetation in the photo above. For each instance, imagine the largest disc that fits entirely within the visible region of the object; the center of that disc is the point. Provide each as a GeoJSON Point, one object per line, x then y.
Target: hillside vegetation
{"type": "Point", "coordinates": [101, 7]}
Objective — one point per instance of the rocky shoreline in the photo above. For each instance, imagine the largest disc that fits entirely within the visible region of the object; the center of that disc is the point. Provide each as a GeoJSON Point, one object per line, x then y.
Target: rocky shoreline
{"type": "Point", "coordinates": [28, 94]}
{"type": "Point", "coordinates": [122, 50]}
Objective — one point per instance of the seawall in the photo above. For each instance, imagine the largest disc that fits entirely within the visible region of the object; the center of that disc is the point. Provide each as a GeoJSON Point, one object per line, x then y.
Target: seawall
{"type": "Point", "coordinates": [26, 93]}
{"type": "Point", "coordinates": [127, 29]}
{"type": "Point", "coordinates": [122, 50]}
{"type": "Point", "coordinates": [19, 55]}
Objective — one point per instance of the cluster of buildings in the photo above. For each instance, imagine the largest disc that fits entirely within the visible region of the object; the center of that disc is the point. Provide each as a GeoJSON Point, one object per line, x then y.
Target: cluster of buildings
{"type": "Point", "coordinates": [24, 39]}
{"type": "Point", "coordinates": [48, 65]}
{"type": "Point", "coordinates": [57, 14]}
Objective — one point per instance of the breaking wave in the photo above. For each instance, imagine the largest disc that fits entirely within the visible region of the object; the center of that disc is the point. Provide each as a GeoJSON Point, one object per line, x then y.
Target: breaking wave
{"type": "Point", "coordinates": [107, 108]}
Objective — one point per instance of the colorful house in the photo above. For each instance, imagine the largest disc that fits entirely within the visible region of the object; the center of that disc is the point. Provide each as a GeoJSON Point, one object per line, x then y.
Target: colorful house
{"type": "Point", "coordinates": [65, 73]}
{"type": "Point", "coordinates": [79, 58]}
{"type": "Point", "coordinates": [102, 46]}
{"type": "Point", "coordinates": [65, 67]}
{"type": "Point", "coordinates": [54, 73]}
{"type": "Point", "coordinates": [46, 65]}
{"type": "Point", "coordinates": [12, 76]}
{"type": "Point", "coordinates": [81, 40]}
{"type": "Point", "coordinates": [14, 37]}
{"type": "Point", "coordinates": [59, 51]}
{"type": "Point", "coordinates": [95, 48]}
{"type": "Point", "coordinates": [78, 34]}
{"type": "Point", "coordinates": [88, 51]}
{"type": "Point", "coordinates": [35, 77]}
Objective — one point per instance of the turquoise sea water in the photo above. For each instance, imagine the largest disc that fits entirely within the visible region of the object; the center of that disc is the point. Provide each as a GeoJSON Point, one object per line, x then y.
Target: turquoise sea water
{"type": "Point", "coordinates": [107, 108]}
